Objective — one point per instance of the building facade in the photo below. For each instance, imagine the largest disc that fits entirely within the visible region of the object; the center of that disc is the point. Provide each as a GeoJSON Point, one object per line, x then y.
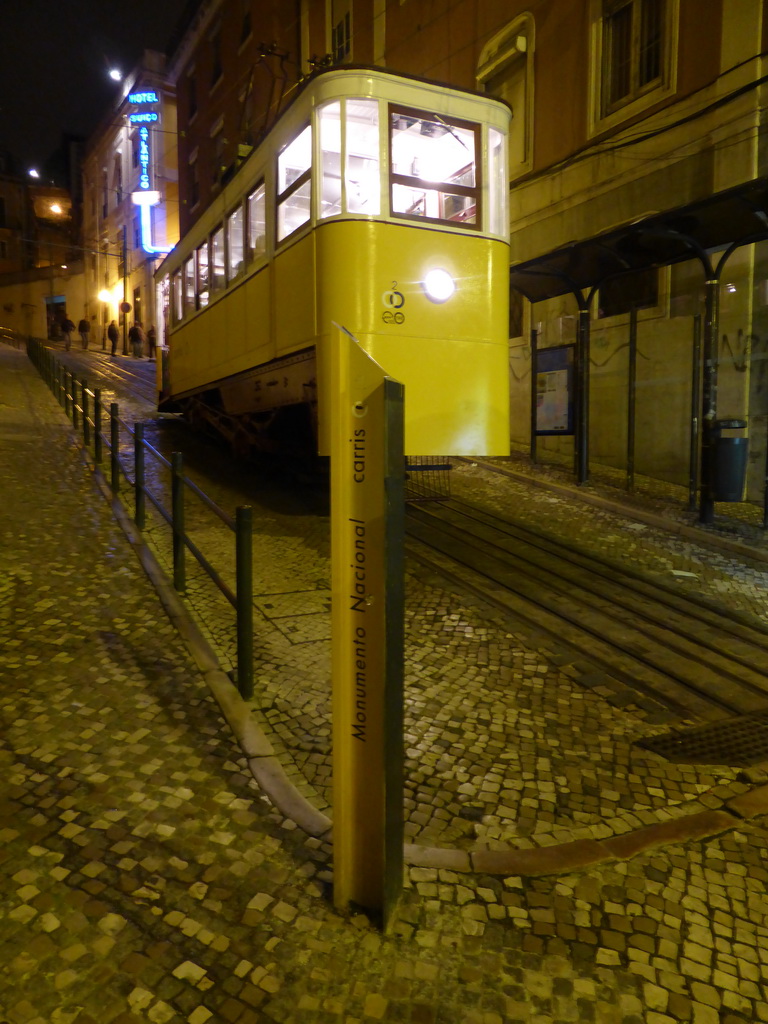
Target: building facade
{"type": "Point", "coordinates": [130, 199]}
{"type": "Point", "coordinates": [638, 193]}
{"type": "Point", "coordinates": [40, 263]}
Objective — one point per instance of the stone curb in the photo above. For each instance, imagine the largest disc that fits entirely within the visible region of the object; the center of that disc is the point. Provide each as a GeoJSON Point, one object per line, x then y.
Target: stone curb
{"type": "Point", "coordinates": [582, 853]}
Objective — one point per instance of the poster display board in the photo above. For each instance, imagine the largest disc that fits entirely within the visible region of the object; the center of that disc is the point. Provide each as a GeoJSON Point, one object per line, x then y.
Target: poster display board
{"type": "Point", "coordinates": [554, 375]}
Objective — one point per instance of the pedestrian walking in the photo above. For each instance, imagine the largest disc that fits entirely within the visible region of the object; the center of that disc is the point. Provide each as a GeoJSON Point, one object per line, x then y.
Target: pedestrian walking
{"type": "Point", "coordinates": [136, 338]}
{"type": "Point", "coordinates": [152, 340]}
{"type": "Point", "coordinates": [84, 328]}
{"type": "Point", "coordinates": [67, 327]}
{"type": "Point", "coordinates": [114, 335]}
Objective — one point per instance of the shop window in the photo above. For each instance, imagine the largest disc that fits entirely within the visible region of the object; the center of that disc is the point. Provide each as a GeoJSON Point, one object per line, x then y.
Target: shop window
{"type": "Point", "coordinates": [235, 242]}
{"type": "Point", "coordinates": [257, 222]}
{"type": "Point", "coordinates": [294, 166]}
{"type": "Point", "coordinates": [218, 265]}
{"type": "Point", "coordinates": [203, 293]}
{"type": "Point", "coordinates": [433, 171]}
{"type": "Point", "coordinates": [639, 289]}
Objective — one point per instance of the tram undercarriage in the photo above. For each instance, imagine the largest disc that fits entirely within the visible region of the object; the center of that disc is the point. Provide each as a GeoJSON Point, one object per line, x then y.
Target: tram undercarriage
{"type": "Point", "coordinates": [269, 409]}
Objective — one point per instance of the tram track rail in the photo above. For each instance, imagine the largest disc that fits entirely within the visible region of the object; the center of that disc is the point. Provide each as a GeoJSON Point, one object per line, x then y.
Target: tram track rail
{"type": "Point", "coordinates": [678, 651]}
{"type": "Point", "coordinates": [119, 375]}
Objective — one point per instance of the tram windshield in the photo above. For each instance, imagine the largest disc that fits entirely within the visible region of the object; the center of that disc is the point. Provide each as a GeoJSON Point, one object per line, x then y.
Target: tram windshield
{"type": "Point", "coordinates": [433, 173]}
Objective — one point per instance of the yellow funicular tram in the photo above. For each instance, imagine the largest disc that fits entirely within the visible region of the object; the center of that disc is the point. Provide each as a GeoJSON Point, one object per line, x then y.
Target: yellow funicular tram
{"type": "Point", "coordinates": [377, 202]}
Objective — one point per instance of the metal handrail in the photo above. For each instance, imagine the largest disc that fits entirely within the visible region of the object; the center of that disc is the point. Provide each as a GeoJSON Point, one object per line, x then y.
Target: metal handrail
{"type": "Point", "coordinates": [65, 387]}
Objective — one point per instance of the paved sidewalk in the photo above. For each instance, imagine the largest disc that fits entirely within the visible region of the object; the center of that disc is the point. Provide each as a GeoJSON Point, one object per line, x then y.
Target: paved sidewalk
{"type": "Point", "coordinates": [146, 877]}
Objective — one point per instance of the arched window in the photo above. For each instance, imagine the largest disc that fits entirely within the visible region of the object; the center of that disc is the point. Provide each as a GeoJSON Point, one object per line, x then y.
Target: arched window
{"type": "Point", "coordinates": [505, 70]}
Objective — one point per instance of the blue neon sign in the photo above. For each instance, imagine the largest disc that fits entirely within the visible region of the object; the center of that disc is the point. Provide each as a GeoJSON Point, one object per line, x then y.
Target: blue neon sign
{"type": "Point", "coordinates": [145, 197]}
{"type": "Point", "coordinates": [144, 157]}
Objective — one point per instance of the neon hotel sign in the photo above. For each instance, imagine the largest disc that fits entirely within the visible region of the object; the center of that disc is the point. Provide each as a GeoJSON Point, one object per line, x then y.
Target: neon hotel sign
{"type": "Point", "coordinates": [146, 197]}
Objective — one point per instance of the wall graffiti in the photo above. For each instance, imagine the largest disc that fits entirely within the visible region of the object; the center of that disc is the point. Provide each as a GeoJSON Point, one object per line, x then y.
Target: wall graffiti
{"type": "Point", "coordinates": [747, 349]}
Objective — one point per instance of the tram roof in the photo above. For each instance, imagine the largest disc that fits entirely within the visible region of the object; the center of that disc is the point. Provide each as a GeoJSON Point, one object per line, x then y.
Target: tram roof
{"type": "Point", "coordinates": [726, 220]}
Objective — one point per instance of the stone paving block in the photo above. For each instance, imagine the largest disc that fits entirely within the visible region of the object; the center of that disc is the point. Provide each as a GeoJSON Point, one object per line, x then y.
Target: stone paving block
{"type": "Point", "coordinates": [750, 804]}
{"type": "Point", "coordinates": [162, 814]}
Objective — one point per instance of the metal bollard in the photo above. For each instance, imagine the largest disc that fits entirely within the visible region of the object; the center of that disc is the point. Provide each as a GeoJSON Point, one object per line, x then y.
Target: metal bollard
{"type": "Point", "coordinates": [75, 418]}
{"type": "Point", "coordinates": [97, 426]}
{"type": "Point", "coordinates": [244, 587]}
{"type": "Point", "coordinates": [114, 455]}
{"type": "Point", "coordinates": [177, 520]}
{"type": "Point", "coordinates": [138, 484]}
{"type": "Point", "coordinates": [67, 386]}
{"type": "Point", "coordinates": [86, 422]}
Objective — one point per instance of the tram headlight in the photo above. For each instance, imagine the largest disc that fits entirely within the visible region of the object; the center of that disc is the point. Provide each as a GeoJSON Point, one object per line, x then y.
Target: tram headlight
{"type": "Point", "coordinates": [439, 285]}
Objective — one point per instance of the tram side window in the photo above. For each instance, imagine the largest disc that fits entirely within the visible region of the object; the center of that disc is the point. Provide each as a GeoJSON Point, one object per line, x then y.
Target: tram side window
{"type": "Point", "coordinates": [203, 293]}
{"type": "Point", "coordinates": [362, 157]}
{"type": "Point", "coordinates": [188, 295]}
{"type": "Point", "coordinates": [178, 296]}
{"type": "Point", "coordinates": [235, 242]}
{"type": "Point", "coordinates": [329, 121]}
{"type": "Point", "coordinates": [359, 150]}
{"type": "Point", "coordinates": [218, 266]}
{"type": "Point", "coordinates": [434, 168]}
{"type": "Point", "coordinates": [257, 222]}
{"type": "Point", "coordinates": [294, 184]}
{"type": "Point", "coordinates": [497, 183]}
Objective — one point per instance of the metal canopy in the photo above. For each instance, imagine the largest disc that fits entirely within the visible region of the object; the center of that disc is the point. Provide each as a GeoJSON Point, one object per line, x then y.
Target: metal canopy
{"type": "Point", "coordinates": [731, 218]}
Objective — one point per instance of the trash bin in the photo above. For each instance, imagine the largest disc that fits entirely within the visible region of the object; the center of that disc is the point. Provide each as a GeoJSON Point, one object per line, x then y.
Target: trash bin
{"type": "Point", "coordinates": [728, 461]}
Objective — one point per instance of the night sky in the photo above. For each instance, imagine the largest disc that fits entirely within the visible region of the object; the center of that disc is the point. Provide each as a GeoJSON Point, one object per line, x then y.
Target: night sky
{"type": "Point", "coordinates": [54, 58]}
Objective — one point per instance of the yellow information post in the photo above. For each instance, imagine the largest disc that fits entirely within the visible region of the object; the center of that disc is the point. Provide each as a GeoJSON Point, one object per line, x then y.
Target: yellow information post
{"type": "Point", "coordinates": [367, 522]}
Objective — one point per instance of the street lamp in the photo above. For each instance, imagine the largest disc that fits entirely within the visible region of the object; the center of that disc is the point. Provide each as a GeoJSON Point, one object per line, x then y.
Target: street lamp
{"type": "Point", "coordinates": [115, 74]}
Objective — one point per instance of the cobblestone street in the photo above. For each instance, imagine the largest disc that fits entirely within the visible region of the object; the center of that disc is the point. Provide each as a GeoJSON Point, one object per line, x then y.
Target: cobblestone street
{"type": "Point", "coordinates": [147, 877]}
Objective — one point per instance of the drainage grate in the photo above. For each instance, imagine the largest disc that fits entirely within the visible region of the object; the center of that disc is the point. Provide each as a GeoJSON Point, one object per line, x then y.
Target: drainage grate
{"type": "Point", "coordinates": [738, 742]}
